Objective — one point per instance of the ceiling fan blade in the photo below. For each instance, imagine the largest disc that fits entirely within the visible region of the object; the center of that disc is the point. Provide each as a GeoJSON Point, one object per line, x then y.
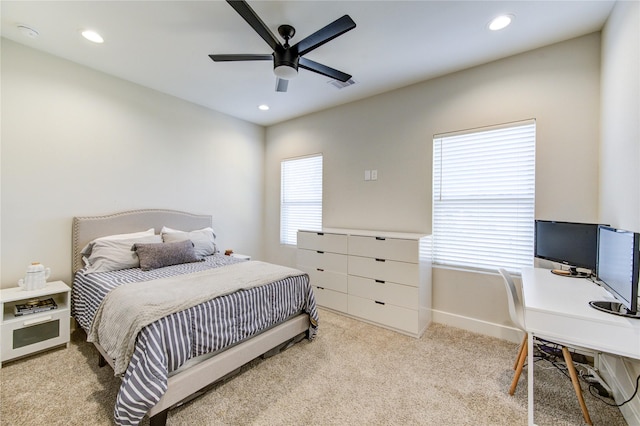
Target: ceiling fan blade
{"type": "Point", "coordinates": [281, 85]}
{"type": "Point", "coordinates": [241, 57]}
{"type": "Point", "coordinates": [310, 65]}
{"type": "Point", "coordinates": [256, 23]}
{"type": "Point", "coordinates": [325, 34]}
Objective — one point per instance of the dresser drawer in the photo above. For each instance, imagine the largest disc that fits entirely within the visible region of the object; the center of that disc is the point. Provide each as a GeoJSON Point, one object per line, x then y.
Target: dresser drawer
{"type": "Point", "coordinates": [328, 279]}
{"type": "Point", "coordinates": [384, 248]}
{"type": "Point", "coordinates": [334, 243]}
{"type": "Point", "coordinates": [385, 314]}
{"type": "Point", "coordinates": [322, 260]}
{"type": "Point", "coordinates": [388, 292]}
{"type": "Point", "coordinates": [330, 299]}
{"type": "Point", "coordinates": [385, 270]}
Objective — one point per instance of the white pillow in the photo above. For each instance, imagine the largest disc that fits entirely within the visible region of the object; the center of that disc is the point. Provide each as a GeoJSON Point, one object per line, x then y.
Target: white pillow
{"type": "Point", "coordinates": [204, 240]}
{"type": "Point", "coordinates": [86, 251]}
{"type": "Point", "coordinates": [115, 254]}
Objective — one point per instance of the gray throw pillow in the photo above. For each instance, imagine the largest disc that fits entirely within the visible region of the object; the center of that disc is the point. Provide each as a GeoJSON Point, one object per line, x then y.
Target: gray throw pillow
{"type": "Point", "coordinates": [159, 255]}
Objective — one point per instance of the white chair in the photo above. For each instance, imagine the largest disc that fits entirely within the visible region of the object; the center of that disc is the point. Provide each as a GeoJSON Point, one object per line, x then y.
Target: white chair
{"type": "Point", "coordinates": [516, 311]}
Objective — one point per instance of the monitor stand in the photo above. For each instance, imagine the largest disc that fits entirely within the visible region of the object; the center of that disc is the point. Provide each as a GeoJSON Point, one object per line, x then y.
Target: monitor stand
{"type": "Point", "coordinates": [614, 308]}
{"type": "Point", "coordinates": [571, 272]}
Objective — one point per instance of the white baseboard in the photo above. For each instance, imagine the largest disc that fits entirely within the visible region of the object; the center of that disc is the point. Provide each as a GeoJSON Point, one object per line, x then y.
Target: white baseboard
{"type": "Point", "coordinates": [622, 381]}
{"type": "Point", "coordinates": [478, 326]}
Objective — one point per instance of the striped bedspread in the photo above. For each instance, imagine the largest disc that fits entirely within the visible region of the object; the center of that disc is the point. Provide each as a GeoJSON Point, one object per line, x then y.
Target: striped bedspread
{"type": "Point", "coordinates": [165, 345]}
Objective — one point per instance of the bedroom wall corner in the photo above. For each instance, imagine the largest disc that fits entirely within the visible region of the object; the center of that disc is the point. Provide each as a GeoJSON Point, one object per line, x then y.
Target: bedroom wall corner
{"type": "Point", "coordinates": [77, 142]}
{"type": "Point", "coordinates": [620, 156]}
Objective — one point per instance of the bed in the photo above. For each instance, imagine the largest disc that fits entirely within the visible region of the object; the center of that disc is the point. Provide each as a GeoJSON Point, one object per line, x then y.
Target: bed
{"type": "Point", "coordinates": [229, 311]}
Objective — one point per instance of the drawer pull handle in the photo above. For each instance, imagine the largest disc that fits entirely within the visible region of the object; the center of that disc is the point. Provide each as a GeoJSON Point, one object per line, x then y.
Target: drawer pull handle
{"type": "Point", "coordinates": [380, 238]}
{"type": "Point", "coordinates": [379, 303]}
{"type": "Point", "coordinates": [380, 281]}
{"type": "Point", "coordinates": [320, 288]}
{"type": "Point", "coordinates": [379, 260]}
{"type": "Point", "coordinates": [37, 321]}
{"type": "Point", "coordinates": [320, 233]}
{"type": "Point", "coordinates": [319, 252]}
{"type": "Point", "coordinates": [320, 269]}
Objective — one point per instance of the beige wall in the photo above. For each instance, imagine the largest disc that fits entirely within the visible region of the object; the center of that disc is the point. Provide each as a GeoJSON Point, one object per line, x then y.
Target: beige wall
{"type": "Point", "coordinates": [620, 148]}
{"type": "Point", "coordinates": [79, 142]}
{"type": "Point", "coordinates": [558, 85]}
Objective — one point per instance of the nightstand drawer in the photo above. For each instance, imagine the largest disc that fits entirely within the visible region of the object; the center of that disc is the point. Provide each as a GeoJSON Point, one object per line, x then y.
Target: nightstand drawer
{"type": "Point", "coordinates": [35, 332]}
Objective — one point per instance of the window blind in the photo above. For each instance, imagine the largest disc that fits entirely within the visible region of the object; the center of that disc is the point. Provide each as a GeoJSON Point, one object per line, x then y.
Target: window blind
{"type": "Point", "coordinates": [483, 197]}
{"type": "Point", "coordinates": [301, 197]}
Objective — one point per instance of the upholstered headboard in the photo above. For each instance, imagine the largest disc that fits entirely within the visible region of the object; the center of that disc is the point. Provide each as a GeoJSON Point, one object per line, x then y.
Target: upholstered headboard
{"type": "Point", "coordinates": [85, 229]}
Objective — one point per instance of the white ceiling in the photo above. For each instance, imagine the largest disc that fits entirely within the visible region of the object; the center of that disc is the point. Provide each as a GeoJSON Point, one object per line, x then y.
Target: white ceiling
{"type": "Point", "coordinates": [164, 45]}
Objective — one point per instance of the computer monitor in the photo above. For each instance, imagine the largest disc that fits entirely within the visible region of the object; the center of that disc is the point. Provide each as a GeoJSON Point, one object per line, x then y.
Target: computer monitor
{"type": "Point", "coordinates": [570, 243]}
{"type": "Point", "coordinates": [617, 266]}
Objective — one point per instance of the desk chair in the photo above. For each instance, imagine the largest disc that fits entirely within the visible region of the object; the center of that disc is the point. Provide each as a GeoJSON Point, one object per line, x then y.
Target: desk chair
{"type": "Point", "coordinates": [516, 311]}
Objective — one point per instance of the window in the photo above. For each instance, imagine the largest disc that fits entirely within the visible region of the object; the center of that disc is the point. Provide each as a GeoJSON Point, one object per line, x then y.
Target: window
{"type": "Point", "coordinates": [483, 197]}
{"type": "Point", "coordinates": [300, 197]}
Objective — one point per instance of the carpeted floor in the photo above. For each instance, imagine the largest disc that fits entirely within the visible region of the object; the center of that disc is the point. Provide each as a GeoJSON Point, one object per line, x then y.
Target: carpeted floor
{"type": "Point", "coordinates": [352, 374]}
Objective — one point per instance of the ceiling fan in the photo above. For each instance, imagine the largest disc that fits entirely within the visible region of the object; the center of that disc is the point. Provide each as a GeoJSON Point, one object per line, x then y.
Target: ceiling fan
{"type": "Point", "coordinates": [287, 59]}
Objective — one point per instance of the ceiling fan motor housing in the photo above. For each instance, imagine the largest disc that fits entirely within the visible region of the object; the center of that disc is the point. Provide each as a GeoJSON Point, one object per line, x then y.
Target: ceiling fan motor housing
{"type": "Point", "coordinates": [287, 57]}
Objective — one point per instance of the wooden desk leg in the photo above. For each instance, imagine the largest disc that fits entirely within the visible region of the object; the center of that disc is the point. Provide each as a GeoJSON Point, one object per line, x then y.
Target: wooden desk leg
{"type": "Point", "coordinates": [530, 363]}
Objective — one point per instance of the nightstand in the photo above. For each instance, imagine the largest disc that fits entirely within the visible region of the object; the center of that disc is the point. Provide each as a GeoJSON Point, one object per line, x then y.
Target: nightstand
{"type": "Point", "coordinates": [30, 333]}
{"type": "Point", "coordinates": [241, 256]}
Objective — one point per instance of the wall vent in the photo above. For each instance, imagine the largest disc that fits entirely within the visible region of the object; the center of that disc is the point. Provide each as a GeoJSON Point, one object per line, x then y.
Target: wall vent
{"type": "Point", "coordinates": [340, 84]}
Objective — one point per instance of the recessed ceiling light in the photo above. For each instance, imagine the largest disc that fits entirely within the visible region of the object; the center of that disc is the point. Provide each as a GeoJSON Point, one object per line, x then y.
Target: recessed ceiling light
{"type": "Point", "coordinates": [92, 36]}
{"type": "Point", "coordinates": [263, 107]}
{"type": "Point", "coordinates": [28, 31]}
{"type": "Point", "coordinates": [500, 22]}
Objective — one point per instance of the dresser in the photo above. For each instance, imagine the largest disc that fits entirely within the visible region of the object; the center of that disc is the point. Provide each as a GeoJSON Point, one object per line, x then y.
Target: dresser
{"type": "Point", "coordinates": [380, 277]}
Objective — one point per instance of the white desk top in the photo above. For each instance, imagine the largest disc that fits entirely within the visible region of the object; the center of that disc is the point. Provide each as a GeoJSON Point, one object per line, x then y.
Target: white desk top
{"type": "Point", "coordinates": [558, 307]}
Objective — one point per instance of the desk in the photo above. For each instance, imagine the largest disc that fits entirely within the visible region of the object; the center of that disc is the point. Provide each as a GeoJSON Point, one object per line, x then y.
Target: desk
{"type": "Point", "coordinates": [557, 309]}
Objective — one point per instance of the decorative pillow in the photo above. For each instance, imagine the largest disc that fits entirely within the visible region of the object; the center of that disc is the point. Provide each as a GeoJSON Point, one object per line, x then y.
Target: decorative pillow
{"type": "Point", "coordinates": [113, 255]}
{"type": "Point", "coordinates": [159, 255]}
{"type": "Point", "coordinates": [86, 251]}
{"type": "Point", "coordinates": [204, 240]}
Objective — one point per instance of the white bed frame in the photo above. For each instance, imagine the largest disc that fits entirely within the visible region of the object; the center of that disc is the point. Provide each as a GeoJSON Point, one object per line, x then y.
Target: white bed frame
{"type": "Point", "coordinates": [186, 383]}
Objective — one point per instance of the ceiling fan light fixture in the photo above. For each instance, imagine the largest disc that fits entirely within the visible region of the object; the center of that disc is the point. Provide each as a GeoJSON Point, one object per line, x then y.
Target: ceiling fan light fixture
{"type": "Point", "coordinates": [286, 72]}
